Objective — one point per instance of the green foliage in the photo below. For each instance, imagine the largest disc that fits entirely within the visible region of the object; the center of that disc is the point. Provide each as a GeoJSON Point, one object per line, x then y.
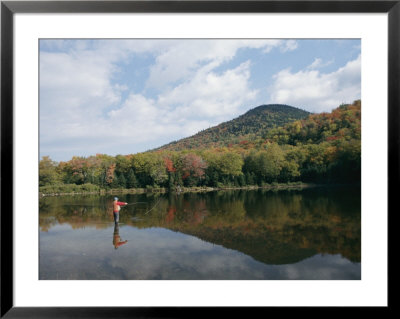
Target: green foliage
{"type": "Point", "coordinates": [266, 164]}
{"type": "Point", "coordinates": [243, 131]}
{"type": "Point", "coordinates": [122, 164]}
{"type": "Point", "coordinates": [321, 148]}
{"type": "Point", "coordinates": [48, 174]}
{"type": "Point", "coordinates": [131, 181]}
{"type": "Point", "coordinates": [149, 168]}
{"type": "Point", "coordinates": [343, 123]}
{"type": "Point", "coordinates": [226, 163]}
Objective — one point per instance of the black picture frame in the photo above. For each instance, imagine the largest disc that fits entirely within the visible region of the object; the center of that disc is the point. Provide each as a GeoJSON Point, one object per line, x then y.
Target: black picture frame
{"type": "Point", "coordinates": [9, 8]}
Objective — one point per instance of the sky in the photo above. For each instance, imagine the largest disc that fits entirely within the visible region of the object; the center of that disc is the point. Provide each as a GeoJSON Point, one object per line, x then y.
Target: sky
{"type": "Point", "coordinates": [125, 96]}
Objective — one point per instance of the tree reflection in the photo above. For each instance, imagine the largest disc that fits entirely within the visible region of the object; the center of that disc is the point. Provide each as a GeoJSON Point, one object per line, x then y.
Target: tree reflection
{"type": "Point", "coordinates": [272, 227]}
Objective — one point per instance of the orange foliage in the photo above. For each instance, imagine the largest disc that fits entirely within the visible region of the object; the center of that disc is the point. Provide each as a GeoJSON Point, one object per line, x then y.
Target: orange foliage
{"type": "Point", "coordinates": [169, 165]}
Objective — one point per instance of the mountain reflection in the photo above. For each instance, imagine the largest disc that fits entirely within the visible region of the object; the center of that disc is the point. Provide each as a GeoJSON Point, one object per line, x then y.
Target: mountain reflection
{"type": "Point", "coordinates": [272, 227]}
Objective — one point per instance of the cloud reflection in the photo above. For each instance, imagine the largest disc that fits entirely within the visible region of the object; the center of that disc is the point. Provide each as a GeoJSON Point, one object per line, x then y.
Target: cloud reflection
{"type": "Point", "coordinates": [156, 253]}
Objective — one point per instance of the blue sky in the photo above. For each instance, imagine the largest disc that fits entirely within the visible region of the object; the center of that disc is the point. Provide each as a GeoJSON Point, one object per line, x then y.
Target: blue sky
{"type": "Point", "coordinates": [129, 96]}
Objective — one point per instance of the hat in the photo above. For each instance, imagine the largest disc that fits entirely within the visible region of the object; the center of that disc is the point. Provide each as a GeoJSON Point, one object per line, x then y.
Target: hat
{"type": "Point", "coordinates": [115, 198]}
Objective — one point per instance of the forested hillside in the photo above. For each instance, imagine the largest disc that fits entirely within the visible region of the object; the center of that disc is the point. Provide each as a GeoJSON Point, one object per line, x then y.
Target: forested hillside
{"type": "Point", "coordinates": [342, 123]}
{"type": "Point", "coordinates": [318, 148]}
{"type": "Point", "coordinates": [252, 125]}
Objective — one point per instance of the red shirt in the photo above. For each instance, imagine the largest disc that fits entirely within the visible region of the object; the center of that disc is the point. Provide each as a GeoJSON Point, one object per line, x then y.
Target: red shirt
{"type": "Point", "coordinates": [117, 206]}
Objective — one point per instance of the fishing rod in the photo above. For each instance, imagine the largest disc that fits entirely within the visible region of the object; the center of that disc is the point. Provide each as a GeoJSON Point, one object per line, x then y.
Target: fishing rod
{"type": "Point", "coordinates": [136, 203]}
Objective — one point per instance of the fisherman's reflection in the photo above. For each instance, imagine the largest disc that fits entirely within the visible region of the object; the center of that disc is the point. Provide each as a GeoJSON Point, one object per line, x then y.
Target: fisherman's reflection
{"type": "Point", "coordinates": [117, 242]}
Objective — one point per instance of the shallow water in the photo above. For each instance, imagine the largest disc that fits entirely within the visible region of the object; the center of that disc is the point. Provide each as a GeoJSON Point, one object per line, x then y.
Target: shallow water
{"type": "Point", "coordinates": [253, 234]}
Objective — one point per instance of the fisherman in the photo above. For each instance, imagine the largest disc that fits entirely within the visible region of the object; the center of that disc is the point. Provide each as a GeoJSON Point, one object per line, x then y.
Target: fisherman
{"type": "Point", "coordinates": [116, 208]}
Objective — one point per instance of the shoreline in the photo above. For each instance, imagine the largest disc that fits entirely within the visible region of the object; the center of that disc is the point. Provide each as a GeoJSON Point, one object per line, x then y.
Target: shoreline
{"type": "Point", "coordinates": [197, 189]}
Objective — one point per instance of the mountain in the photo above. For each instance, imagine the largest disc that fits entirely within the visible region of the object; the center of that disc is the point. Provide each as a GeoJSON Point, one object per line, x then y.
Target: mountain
{"type": "Point", "coordinates": [252, 125]}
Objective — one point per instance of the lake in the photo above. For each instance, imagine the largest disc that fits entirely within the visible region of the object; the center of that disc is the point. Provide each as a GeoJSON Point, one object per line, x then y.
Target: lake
{"type": "Point", "coordinates": [308, 234]}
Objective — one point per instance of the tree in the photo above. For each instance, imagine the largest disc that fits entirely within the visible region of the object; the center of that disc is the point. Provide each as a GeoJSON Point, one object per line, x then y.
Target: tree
{"type": "Point", "coordinates": [266, 164]}
{"type": "Point", "coordinates": [48, 172]}
{"type": "Point", "coordinates": [314, 167]}
{"type": "Point", "coordinates": [230, 164]}
{"type": "Point", "coordinates": [76, 170]}
{"type": "Point", "coordinates": [250, 179]}
{"type": "Point", "coordinates": [346, 166]}
{"type": "Point", "coordinates": [115, 181]}
{"type": "Point", "coordinates": [193, 168]}
{"type": "Point", "coordinates": [131, 181]}
{"type": "Point", "coordinates": [150, 169]}
{"type": "Point", "coordinates": [289, 172]}
{"type": "Point", "coordinates": [226, 163]}
{"type": "Point", "coordinates": [94, 169]}
{"type": "Point", "coordinates": [110, 175]}
{"type": "Point", "coordinates": [241, 180]}
{"type": "Point", "coordinates": [122, 164]}
{"type": "Point", "coordinates": [169, 165]}
{"type": "Point", "coordinates": [121, 180]}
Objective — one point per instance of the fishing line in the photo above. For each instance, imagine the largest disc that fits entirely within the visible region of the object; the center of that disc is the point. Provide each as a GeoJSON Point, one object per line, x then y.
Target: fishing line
{"type": "Point", "coordinates": [153, 206]}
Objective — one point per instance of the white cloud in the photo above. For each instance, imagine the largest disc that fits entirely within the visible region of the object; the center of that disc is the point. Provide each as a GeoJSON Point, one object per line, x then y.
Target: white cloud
{"type": "Point", "coordinates": [82, 109]}
{"type": "Point", "coordinates": [74, 91]}
{"type": "Point", "coordinates": [316, 91]}
{"type": "Point", "coordinates": [289, 45]}
{"type": "Point", "coordinates": [318, 64]}
{"type": "Point", "coordinates": [205, 100]}
{"type": "Point", "coordinates": [283, 45]}
{"type": "Point", "coordinates": [183, 58]}
{"type": "Point", "coordinates": [209, 94]}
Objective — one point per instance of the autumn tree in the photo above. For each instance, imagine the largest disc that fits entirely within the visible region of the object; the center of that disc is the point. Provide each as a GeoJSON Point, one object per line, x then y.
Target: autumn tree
{"type": "Point", "coordinates": [193, 168]}
{"type": "Point", "coordinates": [110, 175]}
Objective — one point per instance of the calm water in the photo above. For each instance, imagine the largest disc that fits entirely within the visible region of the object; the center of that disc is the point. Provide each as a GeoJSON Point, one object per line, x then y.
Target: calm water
{"type": "Point", "coordinates": [258, 234]}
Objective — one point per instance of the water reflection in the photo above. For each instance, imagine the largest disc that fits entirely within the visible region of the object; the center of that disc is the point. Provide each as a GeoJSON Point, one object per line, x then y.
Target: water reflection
{"type": "Point", "coordinates": [275, 229]}
{"type": "Point", "coordinates": [117, 241]}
